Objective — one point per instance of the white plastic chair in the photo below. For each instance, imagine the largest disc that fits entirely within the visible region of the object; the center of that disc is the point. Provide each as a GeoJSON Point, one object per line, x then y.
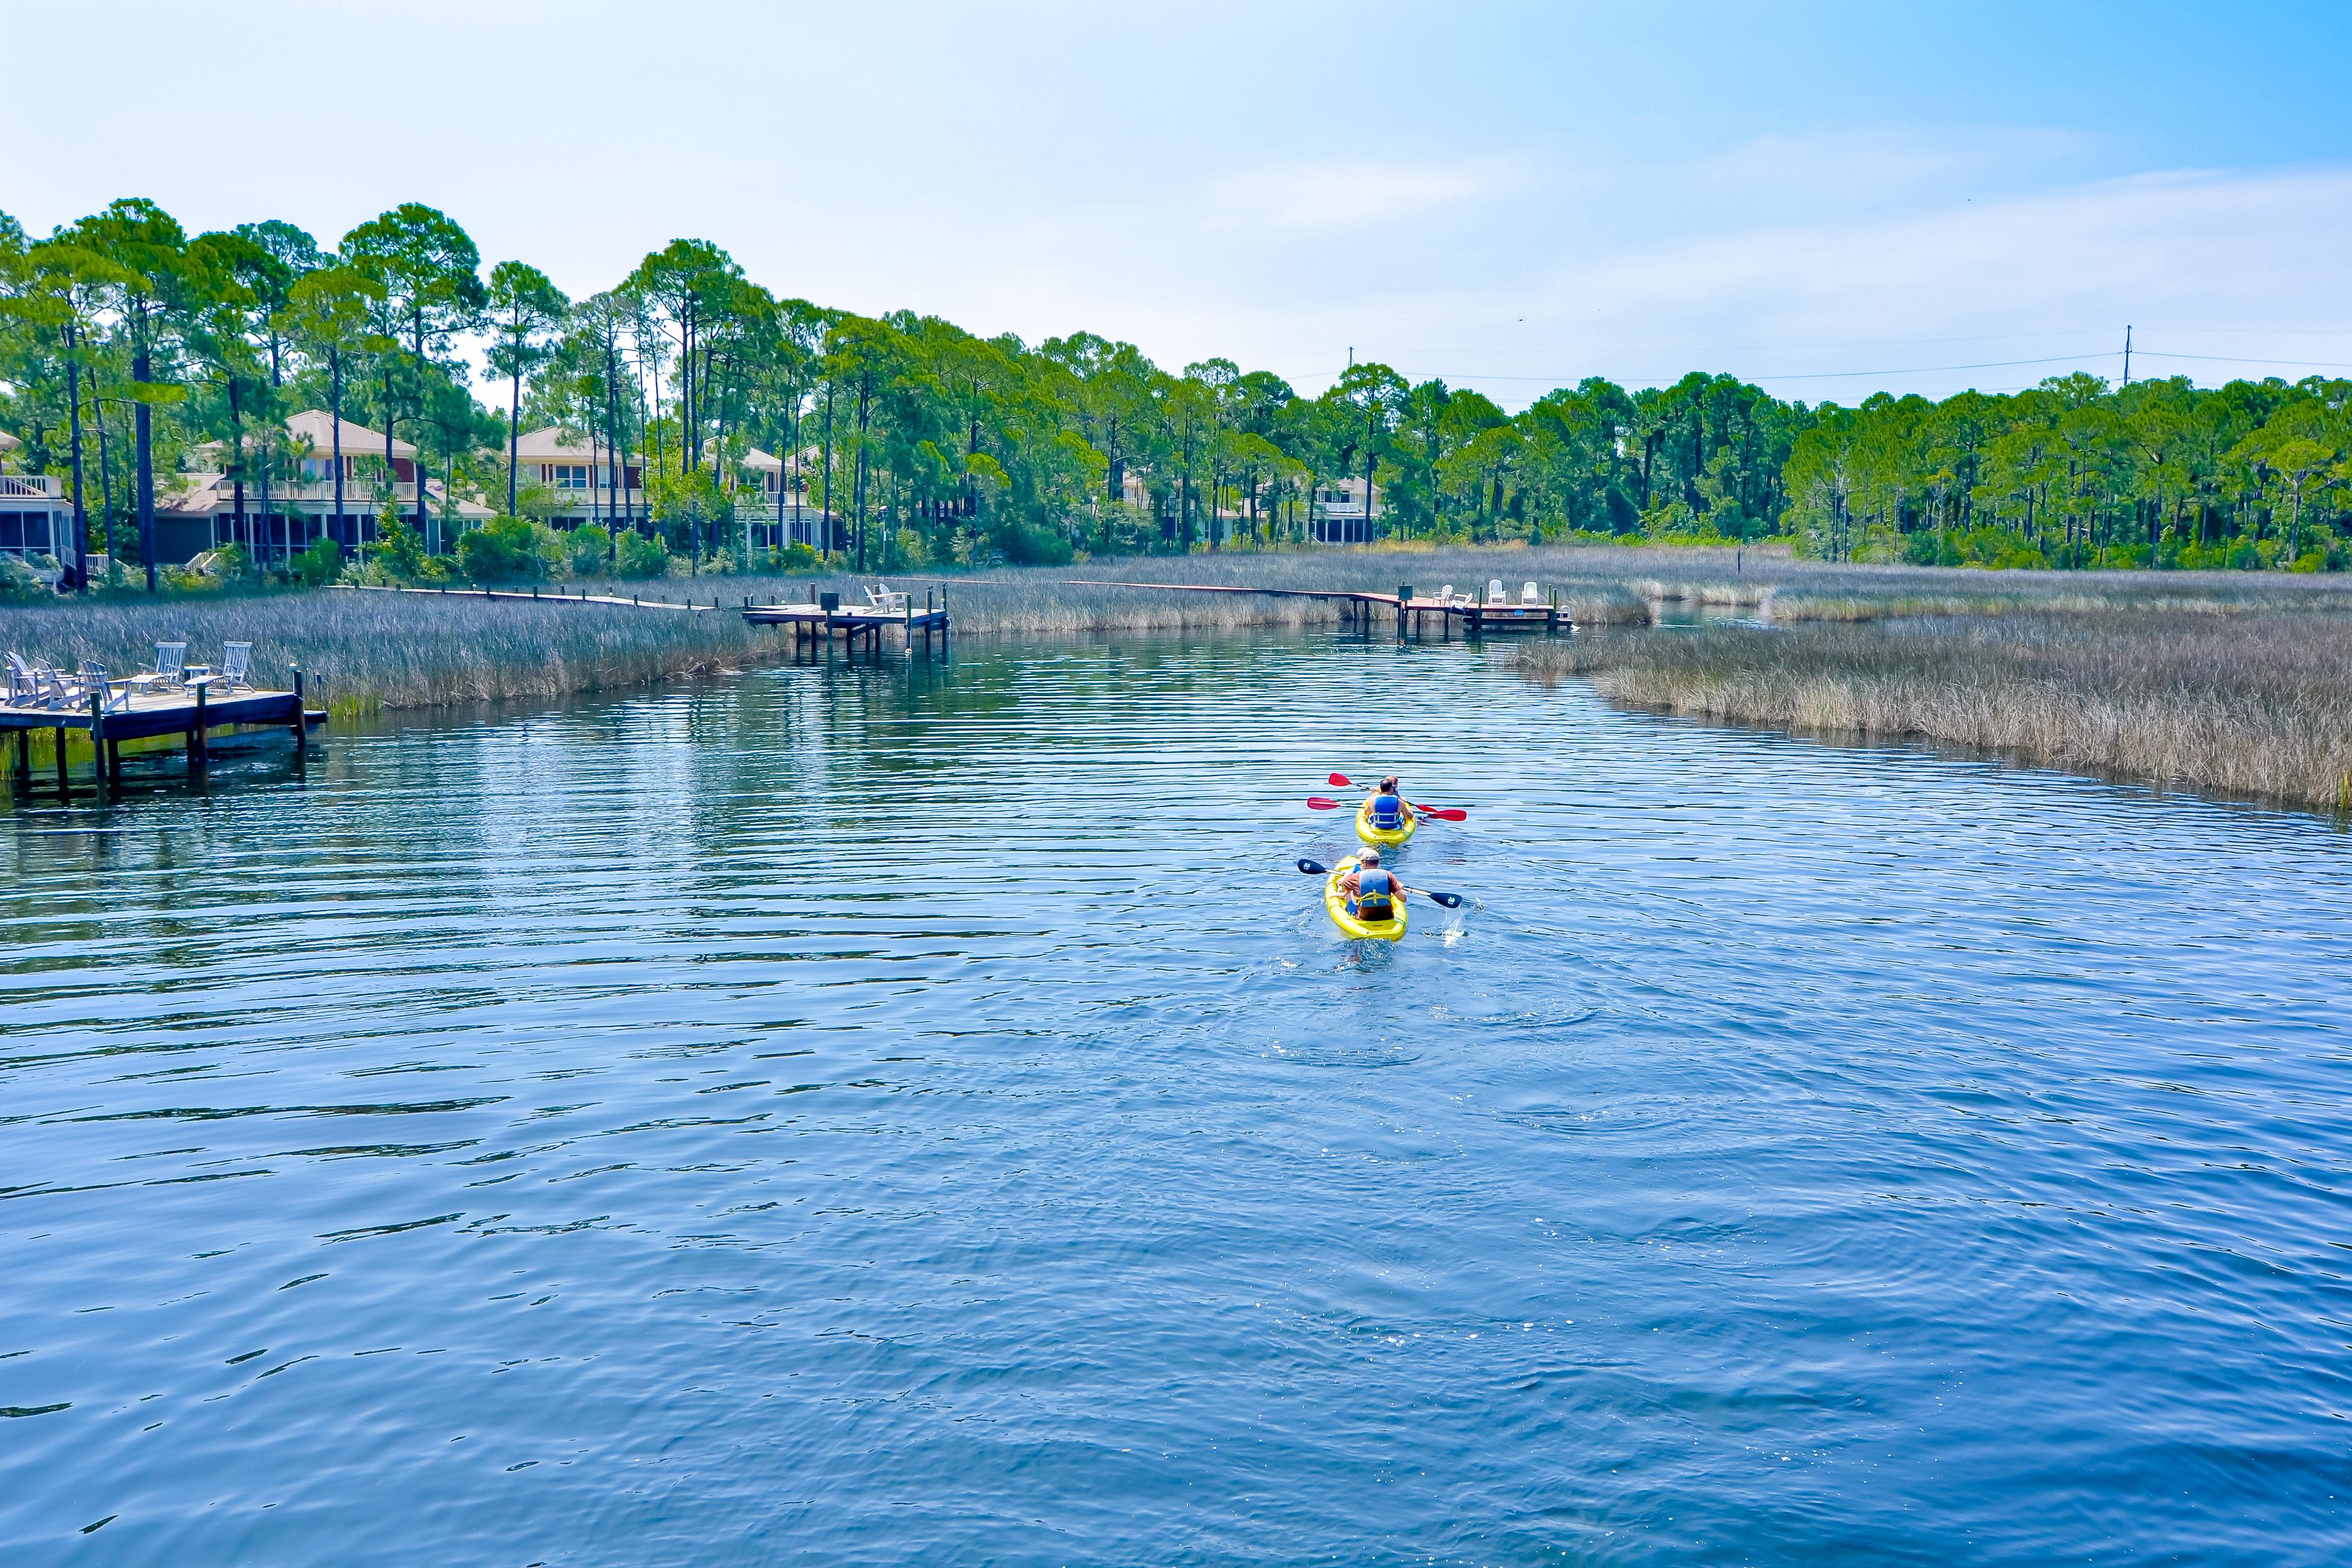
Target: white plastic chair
{"type": "Point", "coordinates": [237, 658]}
{"type": "Point", "coordinates": [1495, 595]}
{"type": "Point", "coordinates": [52, 687]}
{"type": "Point", "coordinates": [880, 597]}
{"type": "Point", "coordinates": [23, 692]}
{"type": "Point", "coordinates": [1527, 595]}
{"type": "Point", "coordinates": [113, 696]}
{"type": "Point", "coordinates": [170, 663]}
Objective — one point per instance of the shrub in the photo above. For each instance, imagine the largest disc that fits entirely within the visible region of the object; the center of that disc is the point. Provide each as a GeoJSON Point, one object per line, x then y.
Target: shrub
{"type": "Point", "coordinates": [320, 565]}
{"type": "Point", "coordinates": [642, 557]}
{"type": "Point", "coordinates": [397, 549]}
{"type": "Point", "coordinates": [586, 548]}
{"type": "Point", "coordinates": [17, 582]}
{"type": "Point", "coordinates": [1025, 544]}
{"type": "Point", "coordinates": [503, 549]}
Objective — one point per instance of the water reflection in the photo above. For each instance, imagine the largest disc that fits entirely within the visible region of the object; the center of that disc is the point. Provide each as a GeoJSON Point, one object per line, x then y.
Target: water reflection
{"type": "Point", "coordinates": [919, 1111]}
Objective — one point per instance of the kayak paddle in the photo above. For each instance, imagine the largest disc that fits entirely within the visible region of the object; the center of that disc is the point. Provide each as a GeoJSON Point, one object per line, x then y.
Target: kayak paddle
{"type": "Point", "coordinates": [1449, 901]}
{"type": "Point", "coordinates": [1443, 813]}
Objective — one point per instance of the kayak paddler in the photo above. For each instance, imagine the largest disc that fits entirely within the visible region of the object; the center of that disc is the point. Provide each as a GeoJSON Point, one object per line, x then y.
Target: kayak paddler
{"type": "Point", "coordinates": [1389, 811]}
{"type": "Point", "coordinates": [1370, 888]}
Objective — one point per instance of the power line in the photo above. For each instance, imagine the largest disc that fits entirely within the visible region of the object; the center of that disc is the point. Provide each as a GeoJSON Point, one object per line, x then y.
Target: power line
{"type": "Point", "coordinates": [1845, 374]}
{"type": "Point", "coordinates": [2244, 359]}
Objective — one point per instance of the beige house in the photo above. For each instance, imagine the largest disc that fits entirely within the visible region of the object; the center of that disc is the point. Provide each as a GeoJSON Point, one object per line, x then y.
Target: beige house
{"type": "Point", "coordinates": [200, 509]}
{"type": "Point", "coordinates": [579, 469]}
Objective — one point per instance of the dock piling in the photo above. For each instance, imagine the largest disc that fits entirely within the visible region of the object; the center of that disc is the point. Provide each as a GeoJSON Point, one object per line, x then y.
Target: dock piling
{"type": "Point", "coordinates": [65, 790]}
{"type": "Point", "coordinates": [301, 719]}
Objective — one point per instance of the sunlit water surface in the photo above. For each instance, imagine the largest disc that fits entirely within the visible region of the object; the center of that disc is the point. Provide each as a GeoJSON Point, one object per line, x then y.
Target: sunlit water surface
{"type": "Point", "coordinates": [920, 1114]}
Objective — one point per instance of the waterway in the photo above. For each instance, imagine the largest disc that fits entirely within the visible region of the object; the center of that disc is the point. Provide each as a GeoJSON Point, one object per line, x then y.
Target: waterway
{"type": "Point", "coordinates": [919, 1114]}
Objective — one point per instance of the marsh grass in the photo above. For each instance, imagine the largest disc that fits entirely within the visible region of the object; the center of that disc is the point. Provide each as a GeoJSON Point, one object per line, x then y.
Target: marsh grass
{"type": "Point", "coordinates": [366, 651]}
{"type": "Point", "coordinates": [2245, 705]}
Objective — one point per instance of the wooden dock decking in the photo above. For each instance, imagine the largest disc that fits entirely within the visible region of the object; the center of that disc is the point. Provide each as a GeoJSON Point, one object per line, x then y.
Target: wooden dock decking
{"type": "Point", "coordinates": [1411, 612]}
{"type": "Point", "coordinates": [146, 714]}
{"type": "Point", "coordinates": [815, 624]}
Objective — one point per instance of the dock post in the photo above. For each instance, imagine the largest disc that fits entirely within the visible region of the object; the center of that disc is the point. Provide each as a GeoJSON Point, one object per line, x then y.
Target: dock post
{"type": "Point", "coordinates": [196, 758]}
{"type": "Point", "coordinates": [301, 721]}
{"type": "Point", "coordinates": [25, 755]}
{"type": "Point", "coordinates": [97, 768]}
{"type": "Point", "coordinates": [65, 790]}
{"type": "Point", "coordinates": [1404, 597]}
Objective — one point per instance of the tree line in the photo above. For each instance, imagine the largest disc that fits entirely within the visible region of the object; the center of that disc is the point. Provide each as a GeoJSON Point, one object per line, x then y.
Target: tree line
{"type": "Point", "coordinates": [130, 350]}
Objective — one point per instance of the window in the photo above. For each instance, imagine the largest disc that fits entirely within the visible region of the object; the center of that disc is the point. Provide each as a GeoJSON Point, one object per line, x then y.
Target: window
{"type": "Point", "coordinates": [572, 476]}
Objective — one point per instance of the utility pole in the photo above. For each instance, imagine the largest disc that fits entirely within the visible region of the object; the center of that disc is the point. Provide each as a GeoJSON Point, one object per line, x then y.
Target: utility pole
{"type": "Point", "coordinates": [2126, 355]}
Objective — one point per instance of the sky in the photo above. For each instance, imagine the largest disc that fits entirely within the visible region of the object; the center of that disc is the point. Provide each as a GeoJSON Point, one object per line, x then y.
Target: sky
{"type": "Point", "coordinates": [1830, 200]}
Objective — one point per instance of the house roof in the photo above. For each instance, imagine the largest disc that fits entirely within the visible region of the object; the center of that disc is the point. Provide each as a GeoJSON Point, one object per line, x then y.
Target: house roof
{"type": "Point", "coordinates": [317, 428]}
{"type": "Point", "coordinates": [554, 444]}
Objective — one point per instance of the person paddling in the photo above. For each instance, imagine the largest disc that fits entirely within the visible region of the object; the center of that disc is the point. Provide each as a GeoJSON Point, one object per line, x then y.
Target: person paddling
{"type": "Point", "coordinates": [1370, 888]}
{"type": "Point", "coordinates": [1389, 811]}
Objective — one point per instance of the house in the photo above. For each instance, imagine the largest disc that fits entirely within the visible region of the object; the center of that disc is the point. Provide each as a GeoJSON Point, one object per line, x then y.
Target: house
{"type": "Point", "coordinates": [777, 509]}
{"type": "Point", "coordinates": [579, 469]}
{"type": "Point", "coordinates": [35, 512]}
{"type": "Point", "coordinates": [200, 511]}
{"type": "Point", "coordinates": [1335, 514]}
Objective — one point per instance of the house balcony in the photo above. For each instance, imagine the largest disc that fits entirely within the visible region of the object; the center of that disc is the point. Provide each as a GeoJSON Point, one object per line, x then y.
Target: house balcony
{"type": "Point", "coordinates": [31, 487]}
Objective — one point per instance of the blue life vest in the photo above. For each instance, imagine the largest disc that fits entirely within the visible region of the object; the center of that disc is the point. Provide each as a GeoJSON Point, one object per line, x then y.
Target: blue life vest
{"type": "Point", "coordinates": [1374, 888]}
{"type": "Point", "coordinates": [1387, 811]}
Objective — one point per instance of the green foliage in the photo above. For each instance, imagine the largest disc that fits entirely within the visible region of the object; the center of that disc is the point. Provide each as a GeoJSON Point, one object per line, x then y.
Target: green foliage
{"type": "Point", "coordinates": [320, 565]}
{"type": "Point", "coordinates": [504, 550]}
{"type": "Point", "coordinates": [398, 549]}
{"type": "Point", "coordinates": [642, 557]}
{"type": "Point", "coordinates": [916, 442]}
{"type": "Point", "coordinates": [587, 549]}
{"type": "Point", "coordinates": [19, 585]}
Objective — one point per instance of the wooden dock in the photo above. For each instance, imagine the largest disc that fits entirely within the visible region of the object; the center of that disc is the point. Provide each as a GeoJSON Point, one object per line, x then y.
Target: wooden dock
{"type": "Point", "coordinates": [815, 621]}
{"type": "Point", "coordinates": [1412, 615]}
{"type": "Point", "coordinates": [192, 715]}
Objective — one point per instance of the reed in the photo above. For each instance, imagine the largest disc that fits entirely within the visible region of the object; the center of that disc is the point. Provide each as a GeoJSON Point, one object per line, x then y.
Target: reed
{"type": "Point", "coordinates": [365, 650]}
{"type": "Point", "coordinates": [2252, 706]}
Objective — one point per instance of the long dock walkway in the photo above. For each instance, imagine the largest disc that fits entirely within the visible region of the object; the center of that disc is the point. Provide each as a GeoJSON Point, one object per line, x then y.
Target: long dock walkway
{"type": "Point", "coordinates": [146, 714]}
{"type": "Point", "coordinates": [1412, 613]}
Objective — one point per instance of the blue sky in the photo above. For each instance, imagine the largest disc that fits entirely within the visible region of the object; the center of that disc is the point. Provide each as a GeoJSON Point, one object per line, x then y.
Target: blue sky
{"type": "Point", "coordinates": [1833, 198]}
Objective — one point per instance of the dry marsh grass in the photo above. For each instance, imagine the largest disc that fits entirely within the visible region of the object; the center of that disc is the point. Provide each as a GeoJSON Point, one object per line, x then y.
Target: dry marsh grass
{"type": "Point", "coordinates": [373, 651]}
{"type": "Point", "coordinates": [2252, 706]}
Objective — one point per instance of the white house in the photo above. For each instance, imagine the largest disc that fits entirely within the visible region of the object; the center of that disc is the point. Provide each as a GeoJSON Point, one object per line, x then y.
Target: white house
{"type": "Point", "coordinates": [35, 512]}
{"type": "Point", "coordinates": [1335, 514]}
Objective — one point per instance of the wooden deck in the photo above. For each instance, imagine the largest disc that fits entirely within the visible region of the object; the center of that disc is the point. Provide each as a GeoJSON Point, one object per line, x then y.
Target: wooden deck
{"type": "Point", "coordinates": [193, 715]}
{"type": "Point", "coordinates": [1413, 615]}
{"type": "Point", "coordinates": [814, 625]}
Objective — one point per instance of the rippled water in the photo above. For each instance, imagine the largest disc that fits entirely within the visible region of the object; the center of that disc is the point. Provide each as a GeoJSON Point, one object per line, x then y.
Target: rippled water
{"type": "Point", "coordinates": [920, 1114]}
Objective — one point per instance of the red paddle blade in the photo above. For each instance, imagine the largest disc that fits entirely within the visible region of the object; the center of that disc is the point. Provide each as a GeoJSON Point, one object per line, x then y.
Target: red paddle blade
{"type": "Point", "coordinates": [1444, 814]}
{"type": "Point", "coordinates": [1339, 781]}
{"type": "Point", "coordinates": [1319, 803]}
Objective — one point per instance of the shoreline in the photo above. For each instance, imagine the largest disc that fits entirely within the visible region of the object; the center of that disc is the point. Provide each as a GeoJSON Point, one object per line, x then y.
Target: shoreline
{"type": "Point", "coordinates": [369, 652]}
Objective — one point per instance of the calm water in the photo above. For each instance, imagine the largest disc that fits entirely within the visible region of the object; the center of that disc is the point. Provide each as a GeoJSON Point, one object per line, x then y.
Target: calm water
{"type": "Point", "coordinates": [921, 1115]}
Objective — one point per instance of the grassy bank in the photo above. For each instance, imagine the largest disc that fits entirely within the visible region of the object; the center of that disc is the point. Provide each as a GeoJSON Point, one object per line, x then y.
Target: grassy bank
{"type": "Point", "coordinates": [370, 649]}
{"type": "Point", "coordinates": [2256, 706]}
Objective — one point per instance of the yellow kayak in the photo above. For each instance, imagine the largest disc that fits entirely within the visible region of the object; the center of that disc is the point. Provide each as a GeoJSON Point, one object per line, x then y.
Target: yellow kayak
{"type": "Point", "coordinates": [1384, 837]}
{"type": "Point", "coordinates": [1336, 903]}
